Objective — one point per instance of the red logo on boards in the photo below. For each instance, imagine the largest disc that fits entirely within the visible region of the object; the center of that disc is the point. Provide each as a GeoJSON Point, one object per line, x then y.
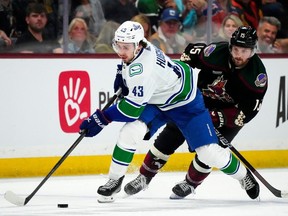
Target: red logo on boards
{"type": "Point", "coordinates": [74, 99]}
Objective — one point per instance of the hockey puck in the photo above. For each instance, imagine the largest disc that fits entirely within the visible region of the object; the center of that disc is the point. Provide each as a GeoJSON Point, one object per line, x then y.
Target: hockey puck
{"type": "Point", "coordinates": [62, 205]}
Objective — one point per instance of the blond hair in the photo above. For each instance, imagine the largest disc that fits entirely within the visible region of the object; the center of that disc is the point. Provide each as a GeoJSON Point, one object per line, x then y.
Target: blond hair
{"type": "Point", "coordinates": [232, 17]}
{"type": "Point", "coordinates": [77, 20]}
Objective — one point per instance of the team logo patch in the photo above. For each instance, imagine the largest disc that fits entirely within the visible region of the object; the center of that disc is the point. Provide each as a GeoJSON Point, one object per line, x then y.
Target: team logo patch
{"type": "Point", "coordinates": [135, 69]}
{"type": "Point", "coordinates": [261, 80]}
{"type": "Point", "coordinates": [208, 50]}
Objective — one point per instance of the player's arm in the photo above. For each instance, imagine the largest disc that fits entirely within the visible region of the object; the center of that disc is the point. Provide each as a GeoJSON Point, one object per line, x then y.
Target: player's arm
{"type": "Point", "coordinates": [251, 106]}
{"type": "Point", "coordinates": [229, 117]}
{"type": "Point", "coordinates": [251, 99]}
{"type": "Point", "coordinates": [192, 53]}
{"type": "Point", "coordinates": [141, 87]}
{"type": "Point", "coordinates": [237, 115]}
{"type": "Point", "coordinates": [124, 111]}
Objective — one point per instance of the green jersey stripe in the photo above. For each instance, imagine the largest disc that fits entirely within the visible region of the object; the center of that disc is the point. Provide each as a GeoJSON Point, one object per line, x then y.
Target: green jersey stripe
{"type": "Point", "coordinates": [129, 109]}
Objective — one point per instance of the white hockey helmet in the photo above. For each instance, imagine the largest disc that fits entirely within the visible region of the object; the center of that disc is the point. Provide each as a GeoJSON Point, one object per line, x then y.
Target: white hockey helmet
{"type": "Point", "coordinates": [130, 32]}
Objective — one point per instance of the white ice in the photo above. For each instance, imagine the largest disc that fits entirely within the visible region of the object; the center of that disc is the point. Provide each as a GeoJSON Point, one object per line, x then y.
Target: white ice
{"type": "Point", "coordinates": [219, 195]}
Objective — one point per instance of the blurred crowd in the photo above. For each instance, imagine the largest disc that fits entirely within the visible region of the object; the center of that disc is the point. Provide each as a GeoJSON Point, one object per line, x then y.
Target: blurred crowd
{"type": "Point", "coordinates": [31, 26]}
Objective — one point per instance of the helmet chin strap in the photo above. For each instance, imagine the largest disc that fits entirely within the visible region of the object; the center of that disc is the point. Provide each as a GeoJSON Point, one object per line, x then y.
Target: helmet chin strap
{"type": "Point", "coordinates": [136, 51]}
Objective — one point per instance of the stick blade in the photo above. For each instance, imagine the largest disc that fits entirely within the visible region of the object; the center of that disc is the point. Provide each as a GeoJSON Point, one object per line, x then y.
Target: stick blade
{"type": "Point", "coordinates": [11, 197]}
{"type": "Point", "coordinates": [284, 194]}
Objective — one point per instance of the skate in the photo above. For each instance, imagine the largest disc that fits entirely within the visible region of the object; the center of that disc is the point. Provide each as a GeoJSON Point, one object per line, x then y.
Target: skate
{"type": "Point", "coordinates": [109, 190]}
{"type": "Point", "coordinates": [250, 184]}
{"type": "Point", "coordinates": [136, 185]}
{"type": "Point", "coordinates": [181, 190]}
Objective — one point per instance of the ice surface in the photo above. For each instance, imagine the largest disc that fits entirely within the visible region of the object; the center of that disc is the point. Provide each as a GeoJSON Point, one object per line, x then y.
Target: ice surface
{"type": "Point", "coordinates": [219, 195]}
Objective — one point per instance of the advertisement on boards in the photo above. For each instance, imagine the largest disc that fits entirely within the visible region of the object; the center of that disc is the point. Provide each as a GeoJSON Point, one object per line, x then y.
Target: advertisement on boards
{"type": "Point", "coordinates": [42, 108]}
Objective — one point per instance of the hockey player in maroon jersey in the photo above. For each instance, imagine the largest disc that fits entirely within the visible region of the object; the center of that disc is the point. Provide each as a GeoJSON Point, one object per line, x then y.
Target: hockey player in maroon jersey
{"type": "Point", "coordinates": [233, 81]}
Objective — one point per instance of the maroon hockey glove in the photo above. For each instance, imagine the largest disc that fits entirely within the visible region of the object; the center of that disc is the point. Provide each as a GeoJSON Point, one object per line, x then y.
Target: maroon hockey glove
{"type": "Point", "coordinates": [217, 118]}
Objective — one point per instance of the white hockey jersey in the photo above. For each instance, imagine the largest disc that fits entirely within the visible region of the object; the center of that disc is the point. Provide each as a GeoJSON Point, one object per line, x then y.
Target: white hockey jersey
{"type": "Point", "coordinates": [153, 78]}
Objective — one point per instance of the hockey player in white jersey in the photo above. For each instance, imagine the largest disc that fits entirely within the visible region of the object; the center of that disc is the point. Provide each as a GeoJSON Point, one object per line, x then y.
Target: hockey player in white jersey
{"type": "Point", "coordinates": [157, 90]}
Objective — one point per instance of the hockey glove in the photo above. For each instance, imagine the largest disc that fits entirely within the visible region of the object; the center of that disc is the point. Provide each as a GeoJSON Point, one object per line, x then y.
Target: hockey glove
{"type": "Point", "coordinates": [119, 83]}
{"type": "Point", "coordinates": [217, 117]}
{"type": "Point", "coordinates": [94, 124]}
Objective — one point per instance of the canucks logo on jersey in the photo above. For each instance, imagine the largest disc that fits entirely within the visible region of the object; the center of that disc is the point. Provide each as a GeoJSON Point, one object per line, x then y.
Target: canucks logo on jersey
{"type": "Point", "coordinates": [135, 69]}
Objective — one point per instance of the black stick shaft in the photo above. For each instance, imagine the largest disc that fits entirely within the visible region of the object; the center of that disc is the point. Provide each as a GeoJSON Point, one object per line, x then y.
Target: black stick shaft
{"type": "Point", "coordinates": [28, 198]}
{"type": "Point", "coordinates": [224, 141]}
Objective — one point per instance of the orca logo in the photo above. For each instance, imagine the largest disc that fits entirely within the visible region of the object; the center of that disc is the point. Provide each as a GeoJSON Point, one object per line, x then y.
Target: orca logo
{"type": "Point", "coordinates": [74, 99]}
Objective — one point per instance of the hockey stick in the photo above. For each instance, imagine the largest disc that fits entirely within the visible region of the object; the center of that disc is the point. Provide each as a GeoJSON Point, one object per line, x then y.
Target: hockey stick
{"type": "Point", "coordinates": [11, 197]}
{"type": "Point", "coordinates": [276, 192]}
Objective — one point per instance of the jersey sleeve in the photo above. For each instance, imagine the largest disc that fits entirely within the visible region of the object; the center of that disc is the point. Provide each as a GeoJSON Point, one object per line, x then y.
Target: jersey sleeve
{"type": "Point", "coordinates": [251, 100]}
{"type": "Point", "coordinates": [192, 53]}
{"type": "Point", "coordinates": [141, 86]}
{"type": "Point", "coordinates": [253, 90]}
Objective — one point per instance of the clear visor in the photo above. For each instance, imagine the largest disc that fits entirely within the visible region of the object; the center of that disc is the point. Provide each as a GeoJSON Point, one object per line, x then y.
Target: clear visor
{"type": "Point", "coordinates": [120, 47]}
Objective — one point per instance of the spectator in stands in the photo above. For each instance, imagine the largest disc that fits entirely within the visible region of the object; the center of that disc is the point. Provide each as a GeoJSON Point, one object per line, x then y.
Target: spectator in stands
{"type": "Point", "coordinates": [229, 24]}
{"type": "Point", "coordinates": [153, 8]}
{"type": "Point", "coordinates": [145, 22]}
{"type": "Point", "coordinates": [80, 39]}
{"type": "Point", "coordinates": [226, 6]}
{"type": "Point", "coordinates": [4, 39]}
{"type": "Point", "coordinates": [19, 12]}
{"type": "Point", "coordinates": [266, 32]}
{"type": "Point", "coordinates": [189, 18]}
{"type": "Point", "coordinates": [104, 41]}
{"type": "Point", "coordinates": [5, 42]}
{"type": "Point", "coordinates": [7, 20]}
{"type": "Point", "coordinates": [284, 44]}
{"type": "Point", "coordinates": [275, 8]}
{"type": "Point", "coordinates": [248, 11]}
{"type": "Point", "coordinates": [168, 37]}
{"type": "Point", "coordinates": [119, 10]}
{"type": "Point", "coordinates": [34, 40]}
{"type": "Point", "coordinates": [201, 8]}
{"type": "Point", "coordinates": [91, 11]}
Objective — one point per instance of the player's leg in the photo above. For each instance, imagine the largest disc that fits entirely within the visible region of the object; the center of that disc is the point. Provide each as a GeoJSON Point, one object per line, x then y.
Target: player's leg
{"type": "Point", "coordinates": [130, 135]}
{"type": "Point", "coordinates": [165, 144]}
{"type": "Point", "coordinates": [196, 174]}
{"type": "Point", "coordinates": [213, 155]}
{"type": "Point", "coordinates": [223, 159]}
{"type": "Point", "coordinates": [199, 171]}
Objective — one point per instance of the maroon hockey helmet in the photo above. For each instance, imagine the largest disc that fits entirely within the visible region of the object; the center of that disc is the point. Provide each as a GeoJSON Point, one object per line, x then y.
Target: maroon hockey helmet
{"type": "Point", "coordinates": [244, 36]}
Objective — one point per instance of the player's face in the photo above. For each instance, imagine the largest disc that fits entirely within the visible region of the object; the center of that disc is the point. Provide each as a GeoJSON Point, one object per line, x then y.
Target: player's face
{"type": "Point", "coordinates": [125, 51]}
{"type": "Point", "coordinates": [240, 55]}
